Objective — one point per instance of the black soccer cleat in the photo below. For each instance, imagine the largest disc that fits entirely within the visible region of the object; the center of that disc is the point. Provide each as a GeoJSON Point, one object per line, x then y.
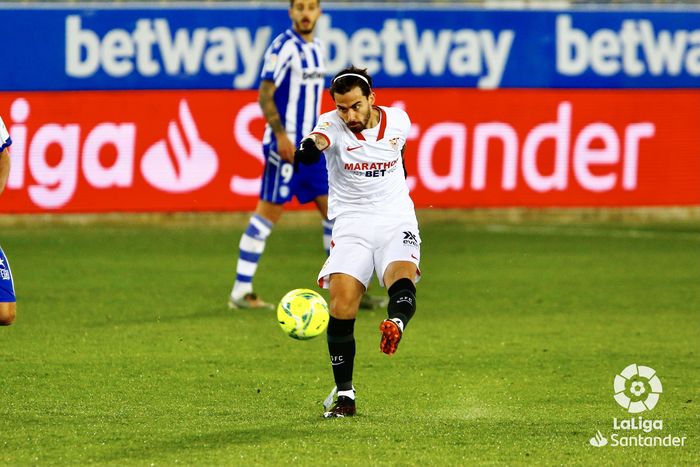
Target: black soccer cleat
{"type": "Point", "coordinates": [344, 407]}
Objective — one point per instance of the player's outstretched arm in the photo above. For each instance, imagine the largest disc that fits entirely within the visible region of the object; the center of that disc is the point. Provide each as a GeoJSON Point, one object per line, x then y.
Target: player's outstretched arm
{"type": "Point", "coordinates": [4, 168]}
{"type": "Point", "coordinates": [309, 151]}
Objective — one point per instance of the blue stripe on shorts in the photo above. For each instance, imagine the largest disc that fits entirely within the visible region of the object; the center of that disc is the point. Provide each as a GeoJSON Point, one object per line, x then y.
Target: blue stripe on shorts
{"type": "Point", "coordinates": [7, 287]}
{"type": "Point", "coordinates": [280, 184]}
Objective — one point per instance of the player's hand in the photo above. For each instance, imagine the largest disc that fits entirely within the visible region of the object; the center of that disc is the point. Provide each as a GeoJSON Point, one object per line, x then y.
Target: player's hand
{"type": "Point", "coordinates": [307, 153]}
{"type": "Point", "coordinates": [285, 148]}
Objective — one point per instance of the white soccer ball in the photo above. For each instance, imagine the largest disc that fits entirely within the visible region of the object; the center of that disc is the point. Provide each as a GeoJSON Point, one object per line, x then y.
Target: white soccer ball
{"type": "Point", "coordinates": [303, 314]}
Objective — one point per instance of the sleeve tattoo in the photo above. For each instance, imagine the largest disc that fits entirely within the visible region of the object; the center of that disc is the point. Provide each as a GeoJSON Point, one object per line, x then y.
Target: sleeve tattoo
{"type": "Point", "coordinates": [267, 104]}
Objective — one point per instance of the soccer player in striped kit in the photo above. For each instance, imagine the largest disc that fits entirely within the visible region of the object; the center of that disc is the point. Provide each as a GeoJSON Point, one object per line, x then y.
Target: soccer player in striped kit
{"type": "Point", "coordinates": [8, 305]}
{"type": "Point", "coordinates": [375, 229]}
{"type": "Point", "coordinates": [290, 97]}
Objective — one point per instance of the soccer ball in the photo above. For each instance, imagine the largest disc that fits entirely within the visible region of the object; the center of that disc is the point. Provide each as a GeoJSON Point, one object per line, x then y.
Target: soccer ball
{"type": "Point", "coordinates": [303, 314]}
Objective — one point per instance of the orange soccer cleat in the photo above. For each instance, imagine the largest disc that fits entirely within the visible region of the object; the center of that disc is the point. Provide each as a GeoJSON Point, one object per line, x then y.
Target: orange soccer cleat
{"type": "Point", "coordinates": [391, 335]}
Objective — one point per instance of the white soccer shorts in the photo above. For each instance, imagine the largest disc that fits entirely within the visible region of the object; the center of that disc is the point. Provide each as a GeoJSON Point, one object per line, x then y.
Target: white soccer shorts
{"type": "Point", "coordinates": [362, 245]}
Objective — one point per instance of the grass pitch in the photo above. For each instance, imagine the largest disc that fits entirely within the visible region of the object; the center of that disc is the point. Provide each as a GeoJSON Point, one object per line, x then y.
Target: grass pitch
{"type": "Point", "coordinates": [124, 352]}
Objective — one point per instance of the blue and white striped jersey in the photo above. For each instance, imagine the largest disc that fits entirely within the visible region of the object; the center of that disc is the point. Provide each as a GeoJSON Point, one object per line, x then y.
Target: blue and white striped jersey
{"type": "Point", "coordinates": [297, 69]}
{"type": "Point", "coordinates": [5, 140]}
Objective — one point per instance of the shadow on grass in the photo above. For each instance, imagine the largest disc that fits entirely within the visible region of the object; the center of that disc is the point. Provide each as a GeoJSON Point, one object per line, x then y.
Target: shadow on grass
{"type": "Point", "coordinates": [194, 444]}
{"type": "Point", "coordinates": [445, 440]}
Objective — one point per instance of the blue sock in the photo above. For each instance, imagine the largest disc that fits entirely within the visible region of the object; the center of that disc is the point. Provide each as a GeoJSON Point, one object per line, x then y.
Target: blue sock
{"type": "Point", "coordinates": [251, 247]}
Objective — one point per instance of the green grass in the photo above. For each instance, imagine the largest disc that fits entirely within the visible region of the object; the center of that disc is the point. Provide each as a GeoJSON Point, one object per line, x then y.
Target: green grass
{"type": "Point", "coordinates": [124, 352]}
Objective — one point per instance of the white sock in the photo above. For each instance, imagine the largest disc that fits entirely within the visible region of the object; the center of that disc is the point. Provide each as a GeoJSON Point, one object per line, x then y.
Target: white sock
{"type": "Point", "coordinates": [398, 322]}
{"type": "Point", "coordinates": [240, 289]}
{"type": "Point", "coordinates": [349, 393]}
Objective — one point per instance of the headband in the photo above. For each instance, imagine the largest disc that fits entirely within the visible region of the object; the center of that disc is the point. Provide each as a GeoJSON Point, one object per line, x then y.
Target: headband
{"type": "Point", "coordinates": [352, 74]}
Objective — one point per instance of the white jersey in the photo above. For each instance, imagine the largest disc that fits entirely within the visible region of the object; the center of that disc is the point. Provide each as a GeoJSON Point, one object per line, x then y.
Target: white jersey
{"type": "Point", "coordinates": [5, 140]}
{"type": "Point", "coordinates": [365, 170]}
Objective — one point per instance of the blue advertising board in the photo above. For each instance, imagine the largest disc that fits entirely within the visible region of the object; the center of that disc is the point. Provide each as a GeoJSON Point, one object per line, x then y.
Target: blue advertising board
{"type": "Point", "coordinates": [221, 47]}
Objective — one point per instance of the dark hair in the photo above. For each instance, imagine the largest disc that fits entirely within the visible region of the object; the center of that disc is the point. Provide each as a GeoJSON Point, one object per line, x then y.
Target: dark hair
{"type": "Point", "coordinates": [291, 3]}
{"type": "Point", "coordinates": [344, 84]}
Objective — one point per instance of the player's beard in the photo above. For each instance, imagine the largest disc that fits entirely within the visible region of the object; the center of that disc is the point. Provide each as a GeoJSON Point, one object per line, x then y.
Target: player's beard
{"type": "Point", "coordinates": [361, 124]}
{"type": "Point", "coordinates": [305, 26]}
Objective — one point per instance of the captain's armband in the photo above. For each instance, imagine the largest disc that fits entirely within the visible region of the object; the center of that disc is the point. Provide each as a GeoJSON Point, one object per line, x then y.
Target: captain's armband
{"type": "Point", "coordinates": [308, 151]}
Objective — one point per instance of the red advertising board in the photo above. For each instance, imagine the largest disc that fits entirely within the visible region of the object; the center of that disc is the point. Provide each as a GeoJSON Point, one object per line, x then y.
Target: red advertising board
{"type": "Point", "coordinates": [200, 150]}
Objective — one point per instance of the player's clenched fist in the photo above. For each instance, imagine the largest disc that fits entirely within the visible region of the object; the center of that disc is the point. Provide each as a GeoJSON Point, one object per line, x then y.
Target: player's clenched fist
{"type": "Point", "coordinates": [307, 153]}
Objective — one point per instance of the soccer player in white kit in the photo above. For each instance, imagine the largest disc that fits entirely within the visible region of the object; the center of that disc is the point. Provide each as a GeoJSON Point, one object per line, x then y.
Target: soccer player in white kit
{"type": "Point", "coordinates": [375, 221]}
{"type": "Point", "coordinates": [8, 305]}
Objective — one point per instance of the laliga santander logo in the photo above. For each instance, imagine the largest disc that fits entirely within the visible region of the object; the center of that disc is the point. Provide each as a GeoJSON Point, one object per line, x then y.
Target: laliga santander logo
{"type": "Point", "coordinates": [193, 169]}
{"type": "Point", "coordinates": [637, 388]}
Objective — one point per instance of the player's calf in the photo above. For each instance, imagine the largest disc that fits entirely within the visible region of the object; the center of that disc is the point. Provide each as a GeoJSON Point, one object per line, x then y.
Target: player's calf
{"type": "Point", "coordinates": [341, 349]}
{"type": "Point", "coordinates": [402, 301]}
{"type": "Point", "coordinates": [8, 311]}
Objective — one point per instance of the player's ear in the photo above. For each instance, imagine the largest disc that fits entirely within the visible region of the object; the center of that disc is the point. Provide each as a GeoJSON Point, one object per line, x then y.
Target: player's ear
{"type": "Point", "coordinates": [371, 98]}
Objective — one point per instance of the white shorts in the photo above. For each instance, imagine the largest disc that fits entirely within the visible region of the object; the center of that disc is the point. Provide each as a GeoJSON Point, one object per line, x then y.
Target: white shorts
{"type": "Point", "coordinates": [363, 244]}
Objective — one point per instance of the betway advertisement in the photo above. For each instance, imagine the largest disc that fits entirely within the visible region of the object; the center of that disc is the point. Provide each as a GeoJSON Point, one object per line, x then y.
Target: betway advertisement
{"type": "Point", "coordinates": [194, 47]}
{"type": "Point", "coordinates": [99, 151]}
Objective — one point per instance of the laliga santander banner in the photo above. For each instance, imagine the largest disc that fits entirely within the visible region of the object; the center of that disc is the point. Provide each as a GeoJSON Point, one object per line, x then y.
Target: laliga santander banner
{"type": "Point", "coordinates": [99, 151]}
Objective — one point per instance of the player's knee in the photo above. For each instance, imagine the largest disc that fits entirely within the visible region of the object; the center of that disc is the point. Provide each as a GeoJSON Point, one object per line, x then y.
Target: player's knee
{"type": "Point", "coordinates": [344, 305]}
{"type": "Point", "coordinates": [399, 271]}
{"type": "Point", "coordinates": [8, 311]}
{"type": "Point", "coordinates": [271, 212]}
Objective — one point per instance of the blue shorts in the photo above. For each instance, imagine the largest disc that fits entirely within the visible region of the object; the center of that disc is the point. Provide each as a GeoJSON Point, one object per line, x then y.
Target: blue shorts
{"type": "Point", "coordinates": [7, 288]}
{"type": "Point", "coordinates": [280, 181]}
